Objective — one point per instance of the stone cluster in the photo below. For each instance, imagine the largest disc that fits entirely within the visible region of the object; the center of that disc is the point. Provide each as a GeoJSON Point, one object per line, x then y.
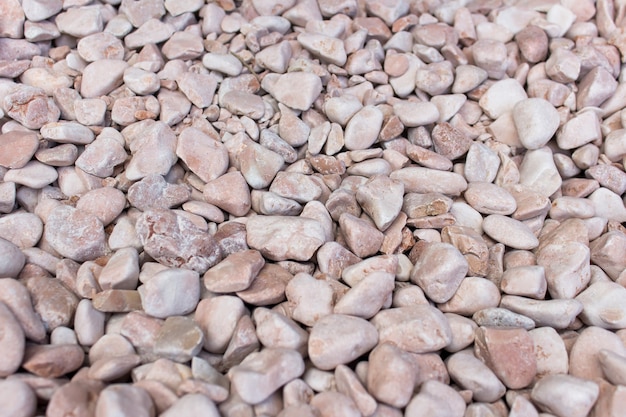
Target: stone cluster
{"type": "Point", "coordinates": [376, 208]}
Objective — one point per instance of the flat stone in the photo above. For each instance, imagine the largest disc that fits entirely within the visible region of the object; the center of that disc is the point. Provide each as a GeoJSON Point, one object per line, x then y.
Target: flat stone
{"type": "Point", "coordinates": [558, 314]}
{"type": "Point", "coordinates": [579, 130]}
{"type": "Point", "coordinates": [500, 228]}
{"type": "Point", "coordinates": [113, 368]}
{"type": "Point", "coordinates": [418, 329]}
{"type": "Point", "coordinates": [493, 347]}
{"type": "Point", "coordinates": [75, 234]}
{"type": "Point", "coordinates": [425, 180]}
{"type": "Point", "coordinates": [53, 361]}
{"type": "Point", "coordinates": [170, 292]}
{"type": "Point", "coordinates": [261, 374]}
{"type": "Point", "coordinates": [153, 192]}
{"type": "Point", "coordinates": [367, 297]}
{"type": "Point", "coordinates": [413, 114]}
{"type": "Point", "coordinates": [473, 294]}
{"type": "Point", "coordinates": [327, 350]}
{"type": "Point", "coordinates": [295, 186]}
{"type": "Point", "coordinates": [175, 241]}
{"type": "Point", "coordinates": [283, 237]}
{"type": "Point", "coordinates": [501, 317]}
{"type": "Point", "coordinates": [34, 175]}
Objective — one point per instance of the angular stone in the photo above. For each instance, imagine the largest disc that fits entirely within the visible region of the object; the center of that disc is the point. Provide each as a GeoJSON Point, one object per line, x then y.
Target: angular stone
{"type": "Point", "coordinates": [283, 87]}
{"type": "Point", "coordinates": [474, 294]}
{"type": "Point", "coordinates": [509, 353]}
{"type": "Point", "coordinates": [436, 399]}
{"type": "Point", "coordinates": [153, 192]}
{"type": "Point", "coordinates": [381, 198]}
{"type": "Point", "coordinates": [229, 192]}
{"type": "Point", "coordinates": [566, 268]}
{"type": "Point", "coordinates": [363, 128]}
{"type": "Point", "coordinates": [153, 148]}
{"type": "Point", "coordinates": [338, 339]}
{"type": "Point", "coordinates": [536, 121]}
{"type": "Point", "coordinates": [275, 330]}
{"type": "Point", "coordinates": [362, 237]}
{"type": "Point", "coordinates": [122, 270]}
{"type": "Point", "coordinates": [558, 314]}
{"type": "Point", "coordinates": [550, 352]}
{"type": "Point", "coordinates": [55, 304]}
{"type": "Point", "coordinates": [192, 405]}
{"type": "Point", "coordinates": [175, 241]}
{"type": "Point", "coordinates": [235, 273]}
{"type": "Point", "coordinates": [368, 296]}
{"type": "Point", "coordinates": [218, 318]}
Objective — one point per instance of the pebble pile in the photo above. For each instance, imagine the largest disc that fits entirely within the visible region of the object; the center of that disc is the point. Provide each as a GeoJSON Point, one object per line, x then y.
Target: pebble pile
{"type": "Point", "coordinates": [325, 208]}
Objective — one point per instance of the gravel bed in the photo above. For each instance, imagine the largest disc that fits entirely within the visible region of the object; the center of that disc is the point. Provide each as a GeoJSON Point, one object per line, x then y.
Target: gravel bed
{"type": "Point", "coordinates": [325, 208]}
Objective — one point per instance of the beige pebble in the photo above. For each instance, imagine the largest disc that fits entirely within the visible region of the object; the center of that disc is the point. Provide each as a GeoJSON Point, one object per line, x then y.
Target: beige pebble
{"type": "Point", "coordinates": [179, 339]}
{"type": "Point", "coordinates": [462, 332]}
{"type": "Point", "coordinates": [413, 114]}
{"type": "Point", "coordinates": [362, 237]}
{"type": "Point", "coordinates": [565, 395]}
{"type": "Point", "coordinates": [558, 314]}
{"type": "Point", "coordinates": [218, 319]}
{"type": "Point", "coordinates": [550, 353]}
{"type": "Point", "coordinates": [17, 148]}
{"type": "Point", "coordinates": [436, 399]}
{"type": "Point", "coordinates": [170, 292]}
{"type": "Point", "coordinates": [439, 284]}
{"type": "Point", "coordinates": [53, 361]}
{"type": "Point", "coordinates": [326, 350]}
{"type": "Point", "coordinates": [12, 342]}
{"type": "Point", "coordinates": [502, 97]}
{"type": "Point", "coordinates": [79, 397]}
{"type": "Point", "coordinates": [367, 297]}
{"type": "Point", "coordinates": [261, 374]}
{"type": "Point", "coordinates": [113, 368]}
{"type": "Point", "coordinates": [472, 374]}
{"type": "Point", "coordinates": [309, 299]}
{"type": "Point", "coordinates": [472, 295]}
{"type": "Point", "coordinates": [526, 281]}
{"type": "Point", "coordinates": [192, 404]}
{"type": "Point", "coordinates": [391, 375]}
{"type": "Point", "coordinates": [418, 329]}
{"type": "Point", "coordinates": [500, 228]}
{"type": "Point", "coordinates": [124, 399]}
{"type": "Point", "coordinates": [55, 304]}
{"type": "Point", "coordinates": [278, 331]}
{"type": "Point", "coordinates": [425, 180]}
{"type": "Point", "coordinates": [583, 355]}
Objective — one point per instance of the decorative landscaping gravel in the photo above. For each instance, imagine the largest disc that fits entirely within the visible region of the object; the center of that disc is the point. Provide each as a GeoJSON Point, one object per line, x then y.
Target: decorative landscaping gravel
{"type": "Point", "coordinates": [312, 208]}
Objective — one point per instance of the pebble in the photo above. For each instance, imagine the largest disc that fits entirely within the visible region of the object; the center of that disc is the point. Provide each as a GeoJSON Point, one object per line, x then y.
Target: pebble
{"type": "Point", "coordinates": [177, 242]}
{"type": "Point", "coordinates": [154, 192]}
{"type": "Point", "coordinates": [363, 128]}
{"type": "Point", "coordinates": [261, 374]}
{"type": "Point", "coordinates": [309, 299]}
{"type": "Point", "coordinates": [526, 281]}
{"type": "Point", "coordinates": [579, 130]}
{"type": "Point", "coordinates": [179, 339]}
{"type": "Point", "coordinates": [516, 368]}
{"type": "Point", "coordinates": [34, 175]}
{"type": "Point", "coordinates": [275, 330]}
{"type": "Point", "coordinates": [79, 397]}
{"type": "Point", "coordinates": [268, 235]}
{"type": "Point", "coordinates": [536, 121]}
{"type": "Point", "coordinates": [192, 405]}
{"type": "Point", "coordinates": [17, 148]}
{"type": "Point", "coordinates": [17, 298]}
{"type": "Point", "coordinates": [473, 294]}
{"type": "Point", "coordinates": [436, 399]}
{"type": "Point", "coordinates": [282, 86]}
{"type": "Point", "coordinates": [327, 350]}
{"type": "Point", "coordinates": [510, 232]}
{"type": "Point", "coordinates": [472, 374]}
{"type": "Point", "coordinates": [362, 237]}
{"type": "Point", "coordinates": [502, 97]}
{"type": "Point", "coordinates": [52, 361]}
{"type": "Point", "coordinates": [235, 273]}
{"type": "Point", "coordinates": [22, 229]}
{"type": "Point", "coordinates": [153, 149]}
{"type": "Point", "coordinates": [418, 329]}
{"type": "Point", "coordinates": [170, 292]}
{"type": "Point", "coordinates": [12, 342]}
{"type": "Point", "coordinates": [391, 376]}
{"type": "Point", "coordinates": [413, 114]}
{"type": "Point", "coordinates": [426, 180]}
{"type": "Point", "coordinates": [566, 268]}
{"type": "Point", "coordinates": [124, 399]}
{"type": "Point", "coordinates": [367, 297]}
{"type": "Point", "coordinates": [101, 77]}
{"type": "Point", "coordinates": [75, 234]}
{"type": "Point", "coordinates": [558, 314]}
{"type": "Point", "coordinates": [18, 398]}
{"type": "Point", "coordinates": [439, 284]}
{"type": "Point", "coordinates": [550, 352]}
{"type": "Point", "coordinates": [565, 395]}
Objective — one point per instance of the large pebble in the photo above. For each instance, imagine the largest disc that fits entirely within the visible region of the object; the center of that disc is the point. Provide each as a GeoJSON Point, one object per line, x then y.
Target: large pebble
{"type": "Point", "coordinates": [284, 237]}
{"type": "Point", "coordinates": [436, 399]}
{"type": "Point", "coordinates": [17, 399]}
{"type": "Point", "coordinates": [565, 395]}
{"type": "Point", "coordinates": [16, 297]}
{"type": "Point", "coordinates": [235, 273]}
{"type": "Point", "coordinates": [261, 374]}
{"type": "Point", "coordinates": [170, 292]}
{"type": "Point", "coordinates": [472, 374]}
{"type": "Point", "coordinates": [175, 241]}
{"type": "Point", "coordinates": [75, 234]}
{"type": "Point", "coordinates": [509, 353]}
{"type": "Point", "coordinates": [536, 121]}
{"type": "Point", "coordinates": [602, 305]}
{"type": "Point", "coordinates": [337, 339]}
{"type": "Point", "coordinates": [283, 88]}
{"type": "Point", "coordinates": [12, 263]}
{"type": "Point", "coordinates": [418, 329]}
{"type": "Point", "coordinates": [381, 198]}
{"type": "Point", "coordinates": [12, 342]}
{"type": "Point", "coordinates": [53, 361]}
{"type": "Point", "coordinates": [510, 232]}
{"type": "Point", "coordinates": [425, 180]}
{"type": "Point", "coordinates": [218, 318]}
{"type": "Point", "coordinates": [363, 128]}
{"type": "Point", "coordinates": [391, 375]}
{"type": "Point", "coordinates": [124, 399]}
{"type": "Point", "coordinates": [191, 405]}
{"type": "Point", "coordinates": [439, 270]}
